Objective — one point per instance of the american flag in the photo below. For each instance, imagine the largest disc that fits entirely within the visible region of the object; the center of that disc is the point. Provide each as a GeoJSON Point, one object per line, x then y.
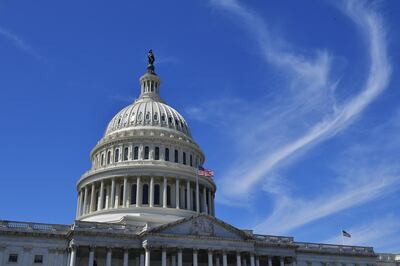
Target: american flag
{"type": "Point", "coordinates": [205, 172]}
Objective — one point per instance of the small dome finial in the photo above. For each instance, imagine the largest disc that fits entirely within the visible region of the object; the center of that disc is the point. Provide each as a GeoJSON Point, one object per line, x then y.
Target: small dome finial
{"type": "Point", "coordinates": [151, 59]}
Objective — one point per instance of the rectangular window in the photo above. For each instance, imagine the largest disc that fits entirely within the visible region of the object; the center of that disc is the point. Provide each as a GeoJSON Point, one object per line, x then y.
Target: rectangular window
{"type": "Point", "coordinates": [38, 259]}
{"type": "Point", "coordinates": [146, 153]}
{"type": "Point", "coordinates": [126, 152]}
{"type": "Point", "coordinates": [13, 258]}
{"type": "Point", "coordinates": [167, 154]}
{"type": "Point", "coordinates": [191, 160]}
{"type": "Point", "coordinates": [184, 157]}
{"type": "Point", "coordinates": [135, 153]}
{"type": "Point", "coordinates": [157, 153]}
{"type": "Point", "coordinates": [176, 156]}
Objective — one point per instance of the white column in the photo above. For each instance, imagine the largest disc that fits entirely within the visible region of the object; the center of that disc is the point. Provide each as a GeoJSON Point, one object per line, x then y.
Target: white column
{"type": "Point", "coordinates": [252, 262]}
{"type": "Point", "coordinates": [141, 259]}
{"type": "Point", "coordinates": [217, 262]}
{"type": "Point", "coordinates": [125, 196]}
{"type": "Point", "coordinates": [197, 195]}
{"type": "Point", "coordinates": [224, 259]}
{"type": "Point", "coordinates": [204, 199]}
{"type": "Point", "coordinates": [151, 192]}
{"type": "Point", "coordinates": [164, 257]}
{"type": "Point", "coordinates": [107, 197]}
{"type": "Point", "coordinates": [92, 199]}
{"type": "Point", "coordinates": [126, 257]}
{"type": "Point", "coordinates": [282, 261]}
{"type": "Point", "coordinates": [238, 262]}
{"type": "Point", "coordinates": [117, 195]}
{"type": "Point", "coordinates": [147, 258]}
{"type": "Point", "coordinates": [188, 195]}
{"type": "Point", "coordinates": [177, 193]}
{"type": "Point", "coordinates": [195, 252]}
{"type": "Point", "coordinates": [112, 199]}
{"type": "Point", "coordinates": [138, 192]}
{"type": "Point", "coordinates": [78, 207]}
{"type": "Point", "coordinates": [72, 257]}
{"type": "Point", "coordinates": [210, 258]}
{"type": "Point", "coordinates": [109, 257]}
{"type": "Point", "coordinates": [165, 192]}
{"type": "Point", "coordinates": [269, 261]}
{"type": "Point", "coordinates": [100, 203]}
{"type": "Point", "coordinates": [179, 257]}
{"type": "Point", "coordinates": [91, 257]}
{"type": "Point", "coordinates": [85, 201]}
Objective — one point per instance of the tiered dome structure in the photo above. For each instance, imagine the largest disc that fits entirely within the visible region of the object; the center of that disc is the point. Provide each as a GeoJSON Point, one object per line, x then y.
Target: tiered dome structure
{"type": "Point", "coordinates": [144, 169]}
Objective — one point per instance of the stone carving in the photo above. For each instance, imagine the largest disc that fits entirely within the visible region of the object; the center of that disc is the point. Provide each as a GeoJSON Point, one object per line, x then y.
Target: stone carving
{"type": "Point", "coordinates": [202, 227]}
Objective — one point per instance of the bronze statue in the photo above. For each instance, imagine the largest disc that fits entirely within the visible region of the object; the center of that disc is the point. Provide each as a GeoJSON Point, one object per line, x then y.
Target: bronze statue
{"type": "Point", "coordinates": [151, 59]}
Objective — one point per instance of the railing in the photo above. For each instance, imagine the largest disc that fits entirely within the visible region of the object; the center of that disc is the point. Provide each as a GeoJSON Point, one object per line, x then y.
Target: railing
{"type": "Point", "coordinates": [106, 227]}
{"type": "Point", "coordinates": [274, 239]}
{"type": "Point", "coordinates": [26, 226]}
{"type": "Point", "coordinates": [388, 257]}
{"type": "Point", "coordinates": [335, 248]}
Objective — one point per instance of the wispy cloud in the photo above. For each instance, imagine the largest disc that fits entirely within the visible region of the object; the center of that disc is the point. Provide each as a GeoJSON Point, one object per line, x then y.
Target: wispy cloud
{"type": "Point", "coordinates": [20, 44]}
{"type": "Point", "coordinates": [310, 116]}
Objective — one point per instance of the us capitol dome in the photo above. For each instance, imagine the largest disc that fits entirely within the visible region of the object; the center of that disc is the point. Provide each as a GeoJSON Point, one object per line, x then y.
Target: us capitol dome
{"type": "Point", "coordinates": [145, 167]}
{"type": "Point", "coordinates": [147, 201]}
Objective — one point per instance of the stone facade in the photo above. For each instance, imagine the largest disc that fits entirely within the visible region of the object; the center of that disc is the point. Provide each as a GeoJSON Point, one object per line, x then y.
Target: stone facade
{"type": "Point", "coordinates": [144, 202]}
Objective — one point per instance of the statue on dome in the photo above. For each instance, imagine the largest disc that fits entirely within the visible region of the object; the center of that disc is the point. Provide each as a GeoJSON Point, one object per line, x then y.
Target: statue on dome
{"type": "Point", "coordinates": [151, 59]}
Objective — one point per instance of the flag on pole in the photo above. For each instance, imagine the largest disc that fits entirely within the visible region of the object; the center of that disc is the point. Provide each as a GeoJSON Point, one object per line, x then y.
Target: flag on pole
{"type": "Point", "coordinates": [344, 233]}
{"type": "Point", "coordinates": [205, 172]}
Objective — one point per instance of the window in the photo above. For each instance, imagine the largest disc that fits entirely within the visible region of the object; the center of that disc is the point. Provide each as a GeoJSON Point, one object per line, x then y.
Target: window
{"type": "Point", "coordinates": [116, 156]}
{"type": "Point", "coordinates": [157, 153]}
{"type": "Point", "coordinates": [102, 159]}
{"type": "Point", "coordinates": [133, 193]}
{"type": "Point", "coordinates": [108, 157]}
{"type": "Point", "coordinates": [38, 259]}
{"type": "Point", "coordinates": [191, 160]}
{"type": "Point", "coordinates": [156, 194]}
{"type": "Point", "coordinates": [166, 154]}
{"type": "Point", "coordinates": [169, 120]}
{"type": "Point", "coordinates": [168, 195]}
{"type": "Point", "coordinates": [104, 199]}
{"type": "Point", "coordinates": [13, 258]}
{"type": "Point", "coordinates": [163, 117]}
{"type": "Point", "coordinates": [121, 195]}
{"type": "Point", "coordinates": [136, 153]}
{"type": "Point", "coordinates": [145, 198]}
{"type": "Point", "coordinates": [176, 156]}
{"type": "Point", "coordinates": [126, 153]}
{"type": "Point", "coordinates": [184, 157]}
{"type": "Point", "coordinates": [146, 153]}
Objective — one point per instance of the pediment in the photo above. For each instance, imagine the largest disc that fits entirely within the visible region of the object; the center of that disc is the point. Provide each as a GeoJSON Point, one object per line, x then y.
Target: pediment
{"type": "Point", "coordinates": [201, 225]}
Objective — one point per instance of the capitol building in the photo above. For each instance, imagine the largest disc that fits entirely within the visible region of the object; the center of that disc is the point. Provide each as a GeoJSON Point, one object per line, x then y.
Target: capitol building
{"type": "Point", "coordinates": [144, 202]}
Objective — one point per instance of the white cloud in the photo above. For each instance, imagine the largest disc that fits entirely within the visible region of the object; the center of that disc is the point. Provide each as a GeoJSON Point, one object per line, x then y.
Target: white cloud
{"type": "Point", "coordinates": [20, 44]}
{"type": "Point", "coordinates": [303, 119]}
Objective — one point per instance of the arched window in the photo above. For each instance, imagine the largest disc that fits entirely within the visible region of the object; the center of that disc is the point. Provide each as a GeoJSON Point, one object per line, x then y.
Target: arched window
{"type": "Point", "coordinates": [168, 195]}
{"type": "Point", "coordinates": [108, 157]}
{"type": "Point", "coordinates": [176, 156]}
{"type": "Point", "coordinates": [121, 195]}
{"type": "Point", "coordinates": [133, 193]}
{"type": "Point", "coordinates": [146, 153]}
{"type": "Point", "coordinates": [166, 154]}
{"type": "Point", "coordinates": [102, 159]}
{"type": "Point", "coordinates": [145, 198]}
{"type": "Point", "coordinates": [191, 160]}
{"type": "Point", "coordinates": [156, 194]}
{"type": "Point", "coordinates": [136, 153]}
{"type": "Point", "coordinates": [157, 153]}
{"type": "Point", "coordinates": [126, 153]}
{"type": "Point", "coordinates": [184, 157]}
{"type": "Point", "coordinates": [116, 156]}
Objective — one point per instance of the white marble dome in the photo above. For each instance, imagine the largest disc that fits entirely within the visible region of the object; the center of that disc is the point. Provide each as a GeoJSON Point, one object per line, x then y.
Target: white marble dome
{"type": "Point", "coordinates": [147, 112]}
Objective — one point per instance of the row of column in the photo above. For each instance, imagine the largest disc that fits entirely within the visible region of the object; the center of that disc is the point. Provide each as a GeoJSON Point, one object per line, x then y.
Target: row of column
{"type": "Point", "coordinates": [109, 195]}
{"type": "Point", "coordinates": [144, 259]}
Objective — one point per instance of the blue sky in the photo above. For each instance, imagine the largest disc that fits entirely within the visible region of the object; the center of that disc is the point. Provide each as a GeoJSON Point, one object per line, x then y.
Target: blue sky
{"type": "Point", "coordinates": [295, 104]}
